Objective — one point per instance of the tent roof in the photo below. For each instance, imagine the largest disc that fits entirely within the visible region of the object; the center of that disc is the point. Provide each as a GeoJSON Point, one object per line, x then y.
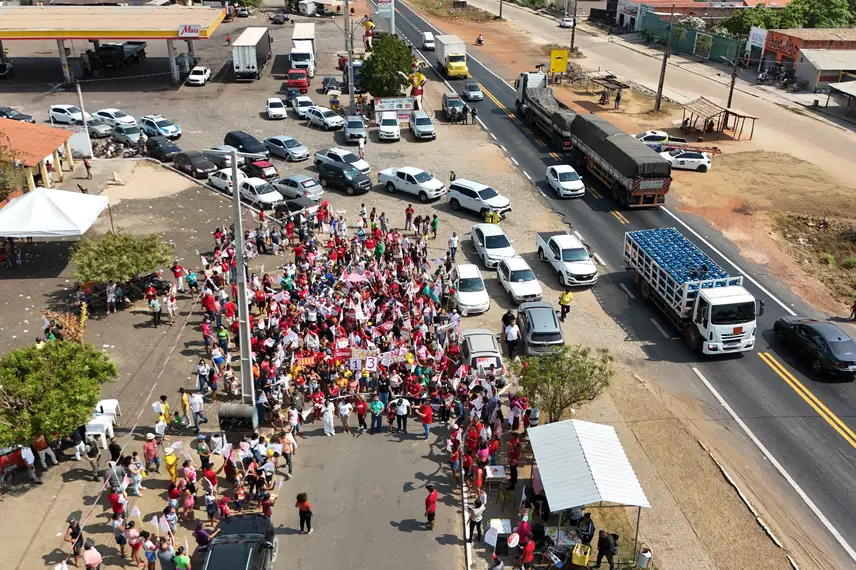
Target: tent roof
{"type": "Point", "coordinates": [29, 143]}
{"type": "Point", "coordinates": [581, 463]}
{"type": "Point", "coordinates": [46, 212]}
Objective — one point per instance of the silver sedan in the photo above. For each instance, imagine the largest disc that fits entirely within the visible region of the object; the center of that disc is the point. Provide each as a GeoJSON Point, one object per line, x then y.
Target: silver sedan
{"type": "Point", "coordinates": [288, 148]}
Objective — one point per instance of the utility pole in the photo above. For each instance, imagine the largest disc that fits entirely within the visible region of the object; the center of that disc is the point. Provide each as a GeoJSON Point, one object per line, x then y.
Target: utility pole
{"type": "Point", "coordinates": [659, 98]}
{"type": "Point", "coordinates": [500, 9]}
{"type": "Point", "coordinates": [83, 116]}
{"type": "Point", "coordinates": [573, 30]}
{"type": "Point", "coordinates": [733, 81]}
{"type": "Point", "coordinates": [349, 45]}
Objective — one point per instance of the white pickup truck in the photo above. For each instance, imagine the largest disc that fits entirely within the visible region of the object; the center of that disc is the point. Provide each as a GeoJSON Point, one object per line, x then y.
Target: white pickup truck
{"type": "Point", "coordinates": [568, 256]}
{"type": "Point", "coordinates": [413, 181]}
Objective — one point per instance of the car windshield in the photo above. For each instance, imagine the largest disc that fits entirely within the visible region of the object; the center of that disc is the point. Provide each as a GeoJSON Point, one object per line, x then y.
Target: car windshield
{"type": "Point", "coordinates": [487, 194]}
{"type": "Point", "coordinates": [546, 337]}
{"type": "Point", "coordinates": [355, 125]}
{"type": "Point", "coordinates": [198, 158]}
{"type": "Point", "coordinates": [732, 313]}
{"type": "Point", "coordinates": [197, 72]}
{"type": "Point", "coordinates": [842, 347]}
{"type": "Point", "coordinates": [675, 152]}
{"type": "Point", "coordinates": [309, 184]}
{"type": "Point", "coordinates": [72, 110]}
{"type": "Point", "coordinates": [472, 87]}
{"type": "Point", "coordinates": [131, 130]}
{"type": "Point", "coordinates": [296, 75]}
{"type": "Point", "coordinates": [423, 121]}
{"type": "Point", "coordinates": [304, 103]}
{"type": "Point", "coordinates": [485, 362]}
{"type": "Point", "coordinates": [328, 114]}
{"type": "Point", "coordinates": [119, 114]}
{"type": "Point", "coordinates": [457, 58]}
{"type": "Point", "coordinates": [575, 254]}
{"type": "Point", "coordinates": [275, 105]}
{"type": "Point", "coordinates": [422, 177]}
{"type": "Point", "coordinates": [470, 284]}
{"type": "Point", "coordinates": [95, 121]}
{"type": "Point", "coordinates": [455, 103]}
{"type": "Point", "coordinates": [299, 56]}
{"type": "Point", "coordinates": [11, 112]}
{"type": "Point", "coordinates": [389, 122]}
{"type": "Point", "coordinates": [265, 189]}
{"type": "Point", "coordinates": [568, 177]}
{"type": "Point", "coordinates": [349, 157]}
{"type": "Point", "coordinates": [496, 242]}
{"type": "Point", "coordinates": [163, 124]}
{"type": "Point", "coordinates": [291, 143]}
{"type": "Point", "coordinates": [522, 275]}
{"type": "Point", "coordinates": [351, 173]}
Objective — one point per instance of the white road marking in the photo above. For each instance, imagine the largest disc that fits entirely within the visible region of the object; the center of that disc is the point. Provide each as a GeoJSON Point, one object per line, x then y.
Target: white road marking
{"type": "Point", "coordinates": [526, 174]}
{"type": "Point", "coordinates": [502, 146]}
{"type": "Point", "coordinates": [482, 124]}
{"type": "Point", "coordinates": [598, 259]}
{"type": "Point", "coordinates": [809, 503]}
{"type": "Point", "coordinates": [494, 136]}
{"type": "Point", "coordinates": [514, 160]}
{"type": "Point", "coordinates": [626, 290]}
{"type": "Point", "coordinates": [731, 263]}
{"type": "Point", "coordinates": [661, 329]}
{"type": "Point", "coordinates": [579, 236]}
{"type": "Point", "coordinates": [540, 191]}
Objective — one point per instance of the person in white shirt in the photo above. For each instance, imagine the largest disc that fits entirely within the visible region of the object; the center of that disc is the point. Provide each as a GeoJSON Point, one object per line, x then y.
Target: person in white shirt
{"type": "Point", "coordinates": [402, 408]}
{"type": "Point", "coordinates": [196, 406]}
{"type": "Point", "coordinates": [453, 245]}
{"type": "Point", "coordinates": [30, 460]}
{"type": "Point", "coordinates": [512, 333]}
{"type": "Point", "coordinates": [345, 409]}
{"type": "Point", "coordinates": [328, 411]}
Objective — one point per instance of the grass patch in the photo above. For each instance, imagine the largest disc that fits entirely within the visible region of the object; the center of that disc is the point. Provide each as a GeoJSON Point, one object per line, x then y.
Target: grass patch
{"type": "Point", "coordinates": [825, 248]}
{"type": "Point", "coordinates": [444, 9]}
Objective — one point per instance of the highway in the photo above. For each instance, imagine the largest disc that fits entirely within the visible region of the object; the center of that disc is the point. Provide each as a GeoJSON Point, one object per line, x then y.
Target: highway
{"type": "Point", "coordinates": [803, 426]}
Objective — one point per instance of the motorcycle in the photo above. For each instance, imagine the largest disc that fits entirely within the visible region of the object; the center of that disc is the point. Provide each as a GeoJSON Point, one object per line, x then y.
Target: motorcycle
{"type": "Point", "coordinates": [763, 78]}
{"type": "Point", "coordinates": [479, 41]}
{"type": "Point", "coordinates": [131, 152]}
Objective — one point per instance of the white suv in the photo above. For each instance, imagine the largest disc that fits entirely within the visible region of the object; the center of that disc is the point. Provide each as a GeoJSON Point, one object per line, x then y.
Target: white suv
{"type": "Point", "coordinates": [388, 128]}
{"type": "Point", "coordinates": [477, 197]}
{"type": "Point", "coordinates": [518, 279]}
{"type": "Point", "coordinates": [157, 126]}
{"type": "Point", "coordinates": [324, 118]}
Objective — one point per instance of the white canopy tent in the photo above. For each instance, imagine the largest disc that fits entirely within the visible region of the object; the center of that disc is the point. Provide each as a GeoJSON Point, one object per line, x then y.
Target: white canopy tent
{"type": "Point", "coordinates": [583, 463]}
{"type": "Point", "coordinates": [46, 212]}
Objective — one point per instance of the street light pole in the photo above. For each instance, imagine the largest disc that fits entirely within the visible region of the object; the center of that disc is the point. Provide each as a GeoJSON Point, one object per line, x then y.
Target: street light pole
{"type": "Point", "coordinates": [83, 117]}
{"type": "Point", "coordinates": [349, 45]}
{"type": "Point", "coordinates": [573, 29]}
{"type": "Point", "coordinates": [731, 87]}
{"type": "Point", "coordinates": [659, 98]}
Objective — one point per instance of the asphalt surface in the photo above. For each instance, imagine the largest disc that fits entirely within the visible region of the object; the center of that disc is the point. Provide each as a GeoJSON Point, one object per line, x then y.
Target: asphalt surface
{"type": "Point", "coordinates": [805, 422]}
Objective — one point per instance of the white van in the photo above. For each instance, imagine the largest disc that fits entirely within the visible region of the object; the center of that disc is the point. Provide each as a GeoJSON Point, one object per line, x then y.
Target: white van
{"type": "Point", "coordinates": [427, 40]}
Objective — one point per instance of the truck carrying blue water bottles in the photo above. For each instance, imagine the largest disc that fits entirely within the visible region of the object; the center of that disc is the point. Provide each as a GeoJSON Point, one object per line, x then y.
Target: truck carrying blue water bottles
{"type": "Point", "coordinates": [713, 310]}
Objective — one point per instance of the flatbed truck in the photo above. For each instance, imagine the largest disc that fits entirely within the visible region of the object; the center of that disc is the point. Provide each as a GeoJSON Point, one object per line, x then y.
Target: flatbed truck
{"type": "Point", "coordinates": [713, 311]}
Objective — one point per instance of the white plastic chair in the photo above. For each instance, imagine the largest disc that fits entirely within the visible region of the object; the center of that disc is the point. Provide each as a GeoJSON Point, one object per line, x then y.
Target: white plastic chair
{"type": "Point", "coordinates": [109, 408]}
{"type": "Point", "coordinates": [101, 426]}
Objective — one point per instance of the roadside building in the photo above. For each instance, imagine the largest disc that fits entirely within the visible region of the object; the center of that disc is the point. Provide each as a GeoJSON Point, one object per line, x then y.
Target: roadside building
{"type": "Point", "coordinates": [782, 47]}
{"type": "Point", "coordinates": [631, 13]}
{"type": "Point", "coordinates": [33, 151]}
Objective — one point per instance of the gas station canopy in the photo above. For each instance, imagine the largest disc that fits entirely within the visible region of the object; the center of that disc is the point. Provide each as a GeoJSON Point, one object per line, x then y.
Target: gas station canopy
{"type": "Point", "coordinates": [108, 22]}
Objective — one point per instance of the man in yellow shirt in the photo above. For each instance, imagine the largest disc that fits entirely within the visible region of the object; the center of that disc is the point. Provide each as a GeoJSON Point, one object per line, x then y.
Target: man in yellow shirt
{"type": "Point", "coordinates": [565, 303]}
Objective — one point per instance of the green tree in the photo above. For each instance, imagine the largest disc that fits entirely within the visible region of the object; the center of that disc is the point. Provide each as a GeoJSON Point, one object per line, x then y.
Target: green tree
{"type": "Point", "coordinates": [816, 14]}
{"type": "Point", "coordinates": [11, 175]}
{"type": "Point", "coordinates": [52, 389]}
{"type": "Point", "coordinates": [558, 381]}
{"type": "Point", "coordinates": [381, 74]}
{"type": "Point", "coordinates": [119, 257]}
{"type": "Point", "coordinates": [740, 21]}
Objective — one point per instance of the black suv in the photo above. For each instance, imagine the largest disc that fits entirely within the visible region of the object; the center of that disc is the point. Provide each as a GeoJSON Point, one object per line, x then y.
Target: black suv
{"type": "Point", "coordinates": [161, 148]}
{"type": "Point", "coordinates": [344, 177]}
{"type": "Point", "coordinates": [245, 143]}
{"type": "Point", "coordinates": [243, 541]}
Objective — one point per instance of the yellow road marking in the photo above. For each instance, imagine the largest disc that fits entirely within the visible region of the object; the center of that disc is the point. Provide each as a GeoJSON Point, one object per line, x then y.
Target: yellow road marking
{"type": "Point", "coordinates": [540, 142]}
{"type": "Point", "coordinates": [497, 103]}
{"type": "Point", "coordinates": [619, 217]}
{"type": "Point", "coordinates": [554, 155]}
{"type": "Point", "coordinates": [809, 398]}
{"type": "Point", "coordinates": [527, 130]}
{"type": "Point", "coordinates": [594, 193]}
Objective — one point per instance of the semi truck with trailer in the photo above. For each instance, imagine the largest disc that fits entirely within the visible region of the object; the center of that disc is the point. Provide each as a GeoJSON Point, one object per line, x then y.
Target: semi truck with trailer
{"type": "Point", "coordinates": [251, 53]}
{"type": "Point", "coordinates": [451, 56]}
{"type": "Point", "coordinates": [303, 47]}
{"type": "Point", "coordinates": [713, 311]}
{"type": "Point", "coordinates": [119, 55]}
{"type": "Point", "coordinates": [536, 105]}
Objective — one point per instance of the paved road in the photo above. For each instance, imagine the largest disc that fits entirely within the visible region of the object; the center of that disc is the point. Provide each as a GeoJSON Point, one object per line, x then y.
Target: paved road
{"type": "Point", "coordinates": [804, 423]}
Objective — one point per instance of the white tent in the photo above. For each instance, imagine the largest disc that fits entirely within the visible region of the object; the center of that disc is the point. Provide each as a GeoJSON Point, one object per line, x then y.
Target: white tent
{"type": "Point", "coordinates": [46, 212]}
{"type": "Point", "coordinates": [581, 463]}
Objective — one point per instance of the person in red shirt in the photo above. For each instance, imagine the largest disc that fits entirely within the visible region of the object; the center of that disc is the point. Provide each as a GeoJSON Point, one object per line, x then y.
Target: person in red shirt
{"type": "Point", "coordinates": [361, 407]}
{"type": "Point", "coordinates": [513, 453]}
{"type": "Point", "coordinates": [118, 500]}
{"type": "Point", "coordinates": [431, 505]}
{"type": "Point", "coordinates": [527, 552]}
{"type": "Point", "coordinates": [427, 414]}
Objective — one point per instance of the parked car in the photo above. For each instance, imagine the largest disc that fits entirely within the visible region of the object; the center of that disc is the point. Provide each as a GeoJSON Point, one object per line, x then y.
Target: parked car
{"type": "Point", "coordinates": [300, 105]}
{"type": "Point", "coordinates": [275, 108]}
{"type": "Point", "coordinates": [472, 92]}
{"type": "Point", "coordinates": [126, 134]}
{"type": "Point", "coordinates": [518, 280]}
{"type": "Point", "coordinates": [337, 155]}
{"type": "Point", "coordinates": [413, 181]}
{"type": "Point", "coordinates": [199, 75]}
{"type": "Point", "coordinates": [470, 292]}
{"type": "Point", "coordinates": [97, 127]}
{"type": "Point", "coordinates": [157, 126]}
{"type": "Point", "coordinates": [242, 541]}
{"type": "Point", "coordinates": [826, 347]}
{"type": "Point", "coordinates": [298, 186]}
{"type": "Point", "coordinates": [15, 115]}
{"type": "Point", "coordinates": [565, 182]}
{"type": "Point", "coordinates": [480, 349]}
{"type": "Point", "coordinates": [194, 163]}
{"type": "Point", "coordinates": [477, 197]}
{"type": "Point", "coordinates": [243, 12]}
{"type": "Point", "coordinates": [7, 70]}
{"type": "Point", "coordinates": [245, 143]}
{"type": "Point", "coordinates": [221, 156]}
{"type": "Point", "coordinates": [329, 83]}
{"type": "Point", "coordinates": [540, 329]}
{"type": "Point", "coordinates": [355, 129]}
{"type": "Point", "coordinates": [324, 118]}
{"type": "Point", "coordinates": [421, 125]}
{"type": "Point", "coordinates": [222, 179]}
{"type": "Point", "coordinates": [261, 169]}
{"type": "Point", "coordinates": [66, 114]}
{"type": "Point", "coordinates": [279, 19]}
{"type": "Point", "coordinates": [114, 117]}
{"type": "Point", "coordinates": [452, 104]}
{"type": "Point", "coordinates": [161, 148]}
{"type": "Point", "coordinates": [285, 147]}
{"type": "Point", "coordinates": [344, 177]}
{"type": "Point", "coordinates": [491, 244]}
{"type": "Point", "coordinates": [291, 93]}
{"type": "Point", "coordinates": [294, 207]}
{"type": "Point", "coordinates": [388, 128]}
{"type": "Point", "coordinates": [259, 192]}
{"type": "Point", "coordinates": [566, 23]}
{"type": "Point", "coordinates": [688, 159]}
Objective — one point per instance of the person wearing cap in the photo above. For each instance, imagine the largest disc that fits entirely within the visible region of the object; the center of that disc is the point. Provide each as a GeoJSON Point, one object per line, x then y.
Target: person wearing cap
{"type": "Point", "coordinates": [74, 535]}
{"type": "Point", "coordinates": [151, 453]}
{"type": "Point", "coordinates": [203, 450]}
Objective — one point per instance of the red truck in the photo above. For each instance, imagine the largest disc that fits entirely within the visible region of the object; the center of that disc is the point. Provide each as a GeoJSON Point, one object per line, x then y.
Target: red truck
{"type": "Point", "coordinates": [299, 79]}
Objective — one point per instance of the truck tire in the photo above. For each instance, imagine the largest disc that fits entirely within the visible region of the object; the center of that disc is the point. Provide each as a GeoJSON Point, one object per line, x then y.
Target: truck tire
{"type": "Point", "coordinates": [390, 187]}
{"type": "Point", "coordinates": [541, 255]}
{"type": "Point", "coordinates": [645, 290]}
{"type": "Point", "coordinates": [616, 191]}
{"type": "Point", "coordinates": [691, 337]}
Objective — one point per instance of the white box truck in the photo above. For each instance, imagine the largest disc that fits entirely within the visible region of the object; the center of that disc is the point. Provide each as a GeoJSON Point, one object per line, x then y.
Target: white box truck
{"type": "Point", "coordinates": [451, 56]}
{"type": "Point", "coordinates": [251, 53]}
{"type": "Point", "coordinates": [303, 47]}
